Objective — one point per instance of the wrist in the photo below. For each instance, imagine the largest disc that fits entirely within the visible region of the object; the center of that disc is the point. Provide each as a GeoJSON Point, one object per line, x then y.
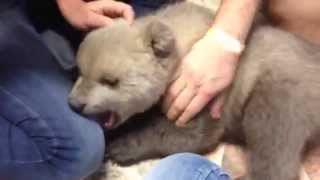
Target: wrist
{"type": "Point", "coordinates": [236, 17]}
{"type": "Point", "coordinates": [227, 42]}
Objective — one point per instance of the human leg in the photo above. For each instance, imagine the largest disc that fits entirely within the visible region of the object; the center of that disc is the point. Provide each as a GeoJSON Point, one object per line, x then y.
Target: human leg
{"type": "Point", "coordinates": [186, 166]}
{"type": "Point", "coordinates": [40, 136]}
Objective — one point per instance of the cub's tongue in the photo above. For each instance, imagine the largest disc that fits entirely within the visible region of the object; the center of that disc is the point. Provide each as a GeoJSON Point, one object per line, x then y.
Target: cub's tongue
{"type": "Point", "coordinates": [109, 120]}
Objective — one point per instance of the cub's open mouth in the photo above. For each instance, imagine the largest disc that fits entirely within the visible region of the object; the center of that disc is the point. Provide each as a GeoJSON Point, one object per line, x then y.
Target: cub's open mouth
{"type": "Point", "coordinates": [109, 119]}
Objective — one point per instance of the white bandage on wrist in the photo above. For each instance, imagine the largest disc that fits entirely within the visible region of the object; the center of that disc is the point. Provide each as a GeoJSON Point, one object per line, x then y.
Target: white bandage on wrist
{"type": "Point", "coordinates": [226, 40]}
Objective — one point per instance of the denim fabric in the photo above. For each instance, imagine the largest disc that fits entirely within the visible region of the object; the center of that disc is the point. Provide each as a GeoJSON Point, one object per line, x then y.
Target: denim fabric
{"type": "Point", "coordinates": [41, 138]}
{"type": "Point", "coordinates": [144, 7]}
{"type": "Point", "coordinates": [186, 166]}
{"type": "Point", "coordinates": [150, 3]}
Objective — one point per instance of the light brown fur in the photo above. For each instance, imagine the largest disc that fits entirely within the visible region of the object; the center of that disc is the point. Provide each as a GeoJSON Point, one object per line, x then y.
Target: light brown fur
{"type": "Point", "coordinates": [271, 109]}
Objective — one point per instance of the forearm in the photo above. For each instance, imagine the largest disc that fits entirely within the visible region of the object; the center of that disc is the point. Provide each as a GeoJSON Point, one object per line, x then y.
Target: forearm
{"type": "Point", "coordinates": [236, 16]}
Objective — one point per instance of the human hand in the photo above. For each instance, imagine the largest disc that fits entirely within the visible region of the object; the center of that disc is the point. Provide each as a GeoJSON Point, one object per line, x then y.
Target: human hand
{"type": "Point", "coordinates": [205, 72]}
{"type": "Point", "coordinates": [94, 14]}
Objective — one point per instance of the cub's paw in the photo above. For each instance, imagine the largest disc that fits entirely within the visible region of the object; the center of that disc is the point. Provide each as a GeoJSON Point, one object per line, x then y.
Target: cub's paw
{"type": "Point", "coordinates": [121, 153]}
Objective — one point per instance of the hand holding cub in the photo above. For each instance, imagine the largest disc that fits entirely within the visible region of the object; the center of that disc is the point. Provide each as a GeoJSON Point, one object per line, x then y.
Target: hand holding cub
{"type": "Point", "coordinates": [206, 71]}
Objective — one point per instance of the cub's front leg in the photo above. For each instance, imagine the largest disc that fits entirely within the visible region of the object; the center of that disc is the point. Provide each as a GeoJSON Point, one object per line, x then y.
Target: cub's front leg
{"type": "Point", "coordinates": [137, 140]}
{"type": "Point", "coordinates": [160, 137]}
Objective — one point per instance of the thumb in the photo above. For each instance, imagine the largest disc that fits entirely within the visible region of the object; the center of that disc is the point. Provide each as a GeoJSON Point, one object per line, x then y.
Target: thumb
{"type": "Point", "coordinates": [216, 107]}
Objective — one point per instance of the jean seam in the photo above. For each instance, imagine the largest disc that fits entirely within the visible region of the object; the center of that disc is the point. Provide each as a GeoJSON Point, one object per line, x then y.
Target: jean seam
{"type": "Point", "coordinates": [55, 143]}
{"type": "Point", "coordinates": [36, 116]}
{"type": "Point", "coordinates": [9, 136]}
{"type": "Point", "coordinates": [204, 172]}
{"type": "Point", "coordinates": [43, 160]}
{"type": "Point", "coordinates": [32, 112]}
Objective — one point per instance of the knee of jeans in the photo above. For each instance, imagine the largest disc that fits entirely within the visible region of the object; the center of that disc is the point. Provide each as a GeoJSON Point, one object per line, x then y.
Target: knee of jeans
{"type": "Point", "coordinates": [187, 166]}
{"type": "Point", "coordinates": [89, 150]}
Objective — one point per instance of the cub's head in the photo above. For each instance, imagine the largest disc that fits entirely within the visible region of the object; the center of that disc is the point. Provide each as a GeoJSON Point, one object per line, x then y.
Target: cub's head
{"type": "Point", "coordinates": [124, 70]}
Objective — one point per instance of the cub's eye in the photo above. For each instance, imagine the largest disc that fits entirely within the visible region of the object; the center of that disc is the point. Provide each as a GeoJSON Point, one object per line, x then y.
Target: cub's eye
{"type": "Point", "coordinates": [109, 82]}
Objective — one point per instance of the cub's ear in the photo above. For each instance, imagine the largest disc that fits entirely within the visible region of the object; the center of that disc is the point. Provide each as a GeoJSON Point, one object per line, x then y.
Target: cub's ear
{"type": "Point", "coordinates": [160, 38]}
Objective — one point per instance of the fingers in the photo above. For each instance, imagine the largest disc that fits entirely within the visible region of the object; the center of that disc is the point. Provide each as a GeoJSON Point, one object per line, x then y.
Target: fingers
{"type": "Point", "coordinates": [119, 9]}
{"type": "Point", "coordinates": [113, 9]}
{"type": "Point", "coordinates": [88, 15]}
{"type": "Point", "coordinates": [172, 93]}
{"type": "Point", "coordinates": [128, 13]}
{"type": "Point", "coordinates": [195, 106]}
{"type": "Point", "coordinates": [191, 100]}
{"type": "Point", "coordinates": [181, 102]}
{"type": "Point", "coordinates": [97, 20]}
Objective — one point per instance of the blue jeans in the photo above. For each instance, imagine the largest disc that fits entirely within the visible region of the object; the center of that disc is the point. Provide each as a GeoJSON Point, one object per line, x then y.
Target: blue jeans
{"type": "Point", "coordinates": [186, 166]}
{"type": "Point", "coordinates": [41, 138]}
{"type": "Point", "coordinates": [144, 7]}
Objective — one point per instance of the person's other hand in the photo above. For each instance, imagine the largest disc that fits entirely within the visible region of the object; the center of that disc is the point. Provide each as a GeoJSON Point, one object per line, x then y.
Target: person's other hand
{"type": "Point", "coordinates": [206, 71]}
{"type": "Point", "coordinates": [94, 14]}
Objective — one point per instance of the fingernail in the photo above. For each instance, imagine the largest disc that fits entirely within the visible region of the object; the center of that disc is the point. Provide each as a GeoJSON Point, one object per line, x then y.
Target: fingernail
{"type": "Point", "coordinates": [168, 116]}
{"type": "Point", "coordinates": [172, 115]}
{"type": "Point", "coordinates": [171, 118]}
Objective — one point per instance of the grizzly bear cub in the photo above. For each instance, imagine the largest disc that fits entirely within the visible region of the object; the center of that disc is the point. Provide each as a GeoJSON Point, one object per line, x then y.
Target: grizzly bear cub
{"type": "Point", "coordinates": [271, 109]}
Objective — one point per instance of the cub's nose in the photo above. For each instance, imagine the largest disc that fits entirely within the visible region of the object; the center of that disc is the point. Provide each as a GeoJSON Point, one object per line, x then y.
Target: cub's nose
{"type": "Point", "coordinates": [76, 105]}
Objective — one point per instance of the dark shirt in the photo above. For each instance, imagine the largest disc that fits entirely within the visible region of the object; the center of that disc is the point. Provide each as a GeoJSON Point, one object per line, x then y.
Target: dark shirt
{"type": "Point", "coordinates": [43, 15]}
